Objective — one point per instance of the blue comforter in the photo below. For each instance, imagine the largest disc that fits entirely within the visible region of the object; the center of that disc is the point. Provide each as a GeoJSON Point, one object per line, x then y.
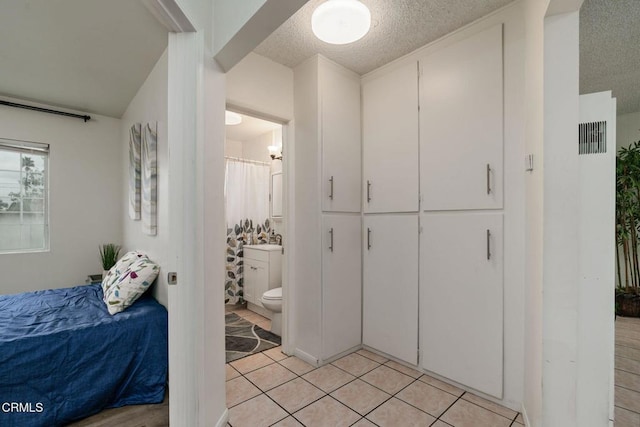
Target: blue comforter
{"type": "Point", "coordinates": [63, 357]}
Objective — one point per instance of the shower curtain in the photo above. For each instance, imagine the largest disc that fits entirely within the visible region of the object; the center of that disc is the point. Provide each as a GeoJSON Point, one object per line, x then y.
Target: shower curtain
{"type": "Point", "coordinates": [246, 193]}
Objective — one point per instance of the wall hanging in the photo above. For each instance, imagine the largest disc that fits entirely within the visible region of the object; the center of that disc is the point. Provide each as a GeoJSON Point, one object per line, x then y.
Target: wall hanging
{"type": "Point", "coordinates": [149, 178]}
{"type": "Point", "coordinates": [134, 171]}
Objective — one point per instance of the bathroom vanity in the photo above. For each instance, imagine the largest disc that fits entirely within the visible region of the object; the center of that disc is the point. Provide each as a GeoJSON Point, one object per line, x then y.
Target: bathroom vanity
{"type": "Point", "coordinates": [262, 271]}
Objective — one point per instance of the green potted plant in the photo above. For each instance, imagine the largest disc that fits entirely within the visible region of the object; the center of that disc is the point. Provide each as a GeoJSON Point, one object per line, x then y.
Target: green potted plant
{"type": "Point", "coordinates": [627, 229]}
{"type": "Point", "coordinates": [109, 254]}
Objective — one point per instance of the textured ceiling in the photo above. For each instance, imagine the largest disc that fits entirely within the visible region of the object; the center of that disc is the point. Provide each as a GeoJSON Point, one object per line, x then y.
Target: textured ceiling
{"type": "Point", "coordinates": [397, 28]}
{"type": "Point", "coordinates": [88, 55]}
{"type": "Point", "coordinates": [610, 50]}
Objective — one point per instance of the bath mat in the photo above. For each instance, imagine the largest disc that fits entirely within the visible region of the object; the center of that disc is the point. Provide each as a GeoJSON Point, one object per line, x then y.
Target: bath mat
{"type": "Point", "coordinates": [243, 338]}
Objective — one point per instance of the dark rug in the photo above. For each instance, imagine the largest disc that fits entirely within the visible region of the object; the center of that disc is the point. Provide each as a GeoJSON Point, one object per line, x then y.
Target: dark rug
{"type": "Point", "coordinates": [243, 338]}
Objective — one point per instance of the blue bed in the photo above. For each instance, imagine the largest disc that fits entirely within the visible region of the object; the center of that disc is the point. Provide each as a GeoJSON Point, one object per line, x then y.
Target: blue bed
{"type": "Point", "coordinates": [63, 357]}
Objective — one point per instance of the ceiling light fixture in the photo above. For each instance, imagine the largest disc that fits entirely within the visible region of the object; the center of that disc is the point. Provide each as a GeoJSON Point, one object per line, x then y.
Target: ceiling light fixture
{"type": "Point", "coordinates": [341, 21]}
{"type": "Point", "coordinates": [231, 118]}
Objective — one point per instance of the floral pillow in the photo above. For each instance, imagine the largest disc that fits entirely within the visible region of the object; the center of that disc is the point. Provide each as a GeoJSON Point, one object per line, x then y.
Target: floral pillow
{"type": "Point", "coordinates": [120, 267]}
{"type": "Point", "coordinates": [130, 285]}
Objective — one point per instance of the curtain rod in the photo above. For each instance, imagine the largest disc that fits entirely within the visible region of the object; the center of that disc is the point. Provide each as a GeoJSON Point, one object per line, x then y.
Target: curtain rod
{"type": "Point", "coordinates": [238, 159]}
{"type": "Point", "coordinates": [45, 110]}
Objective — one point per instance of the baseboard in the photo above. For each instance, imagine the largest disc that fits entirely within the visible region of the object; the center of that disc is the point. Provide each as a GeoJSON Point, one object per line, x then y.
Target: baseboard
{"type": "Point", "coordinates": [305, 357]}
{"type": "Point", "coordinates": [339, 355]}
{"type": "Point", "coordinates": [224, 419]}
{"type": "Point", "coordinates": [524, 416]}
{"type": "Point", "coordinates": [259, 310]}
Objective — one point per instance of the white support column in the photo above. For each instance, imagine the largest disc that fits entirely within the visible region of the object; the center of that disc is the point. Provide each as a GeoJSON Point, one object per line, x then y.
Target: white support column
{"type": "Point", "coordinates": [596, 338]}
{"type": "Point", "coordinates": [561, 221]}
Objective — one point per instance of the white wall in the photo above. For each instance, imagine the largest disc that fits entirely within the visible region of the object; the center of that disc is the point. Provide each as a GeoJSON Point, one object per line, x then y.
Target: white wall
{"type": "Point", "coordinates": [257, 84]}
{"type": "Point", "coordinates": [533, 127]}
{"type": "Point", "coordinates": [85, 197]}
{"type": "Point", "coordinates": [211, 184]}
{"type": "Point", "coordinates": [596, 249]}
{"type": "Point", "coordinates": [265, 88]}
{"type": "Point", "coordinates": [195, 129]}
{"type": "Point", "coordinates": [230, 16]}
{"type": "Point", "coordinates": [233, 148]}
{"type": "Point", "coordinates": [149, 105]}
{"type": "Point", "coordinates": [257, 148]}
{"type": "Point", "coordinates": [307, 293]}
{"type": "Point", "coordinates": [628, 129]}
{"type": "Point", "coordinates": [561, 221]}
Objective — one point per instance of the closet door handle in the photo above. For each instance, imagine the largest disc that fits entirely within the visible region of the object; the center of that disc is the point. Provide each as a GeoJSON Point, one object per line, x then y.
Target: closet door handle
{"type": "Point", "coordinates": [331, 239]}
{"type": "Point", "coordinates": [331, 187]}
{"type": "Point", "coordinates": [368, 191]}
{"type": "Point", "coordinates": [368, 238]}
{"type": "Point", "coordinates": [488, 178]}
{"type": "Point", "coordinates": [488, 244]}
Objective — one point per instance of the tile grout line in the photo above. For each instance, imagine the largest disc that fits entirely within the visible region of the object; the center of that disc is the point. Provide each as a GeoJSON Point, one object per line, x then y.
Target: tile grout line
{"type": "Point", "coordinates": [325, 394]}
{"type": "Point", "coordinates": [486, 409]}
{"type": "Point", "coordinates": [423, 374]}
{"type": "Point", "coordinates": [448, 407]}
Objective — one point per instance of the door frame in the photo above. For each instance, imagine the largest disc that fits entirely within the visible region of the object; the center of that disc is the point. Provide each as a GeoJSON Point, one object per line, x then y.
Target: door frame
{"type": "Point", "coordinates": [287, 211]}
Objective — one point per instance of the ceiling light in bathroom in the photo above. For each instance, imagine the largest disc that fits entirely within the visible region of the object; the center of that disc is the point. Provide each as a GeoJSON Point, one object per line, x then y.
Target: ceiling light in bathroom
{"type": "Point", "coordinates": [341, 21]}
{"type": "Point", "coordinates": [231, 118]}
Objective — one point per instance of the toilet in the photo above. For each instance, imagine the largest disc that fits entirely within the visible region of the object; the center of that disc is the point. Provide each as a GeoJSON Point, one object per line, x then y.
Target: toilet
{"type": "Point", "coordinates": [272, 301]}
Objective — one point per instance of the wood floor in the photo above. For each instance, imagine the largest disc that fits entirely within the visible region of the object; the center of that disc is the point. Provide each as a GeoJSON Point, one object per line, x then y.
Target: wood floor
{"type": "Point", "coordinates": [130, 416]}
{"type": "Point", "coordinates": [627, 372]}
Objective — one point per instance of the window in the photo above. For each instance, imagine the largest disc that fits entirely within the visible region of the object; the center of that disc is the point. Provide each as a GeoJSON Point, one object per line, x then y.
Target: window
{"type": "Point", "coordinates": [24, 194]}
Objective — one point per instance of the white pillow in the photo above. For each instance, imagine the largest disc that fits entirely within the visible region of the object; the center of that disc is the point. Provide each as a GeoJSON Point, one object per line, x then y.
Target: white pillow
{"type": "Point", "coordinates": [119, 268]}
{"type": "Point", "coordinates": [131, 284]}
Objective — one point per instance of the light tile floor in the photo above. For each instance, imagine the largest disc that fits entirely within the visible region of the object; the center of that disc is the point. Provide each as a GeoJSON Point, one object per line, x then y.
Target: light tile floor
{"type": "Point", "coordinates": [361, 389]}
{"type": "Point", "coordinates": [249, 315]}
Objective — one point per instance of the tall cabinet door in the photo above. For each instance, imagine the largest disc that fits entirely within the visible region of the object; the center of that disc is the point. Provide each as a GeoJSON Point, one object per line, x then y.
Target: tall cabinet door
{"type": "Point", "coordinates": [461, 298]}
{"type": "Point", "coordinates": [461, 124]}
{"type": "Point", "coordinates": [390, 288]}
{"type": "Point", "coordinates": [341, 141]}
{"type": "Point", "coordinates": [341, 283]}
{"type": "Point", "coordinates": [390, 141]}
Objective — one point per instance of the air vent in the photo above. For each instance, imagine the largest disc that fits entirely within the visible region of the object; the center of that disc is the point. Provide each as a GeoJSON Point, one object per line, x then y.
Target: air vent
{"type": "Point", "coordinates": [592, 138]}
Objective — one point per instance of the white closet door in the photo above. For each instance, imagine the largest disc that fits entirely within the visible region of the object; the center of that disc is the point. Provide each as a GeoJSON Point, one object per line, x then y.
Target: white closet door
{"type": "Point", "coordinates": [461, 298]}
{"type": "Point", "coordinates": [390, 288]}
{"type": "Point", "coordinates": [341, 283]}
{"type": "Point", "coordinates": [461, 124]}
{"type": "Point", "coordinates": [390, 141]}
{"type": "Point", "coordinates": [341, 140]}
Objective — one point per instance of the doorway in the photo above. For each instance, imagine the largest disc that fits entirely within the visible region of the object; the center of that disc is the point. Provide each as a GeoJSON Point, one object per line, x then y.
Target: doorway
{"type": "Point", "coordinates": [255, 206]}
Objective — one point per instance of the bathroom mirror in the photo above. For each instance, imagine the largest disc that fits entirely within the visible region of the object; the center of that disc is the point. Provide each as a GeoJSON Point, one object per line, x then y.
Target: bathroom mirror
{"type": "Point", "coordinates": [276, 195]}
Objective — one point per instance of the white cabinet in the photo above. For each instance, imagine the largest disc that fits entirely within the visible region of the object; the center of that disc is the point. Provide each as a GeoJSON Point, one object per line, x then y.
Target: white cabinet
{"type": "Point", "coordinates": [461, 298]}
{"type": "Point", "coordinates": [390, 141]}
{"type": "Point", "coordinates": [340, 130]}
{"type": "Point", "coordinates": [262, 270]}
{"type": "Point", "coordinates": [326, 304]}
{"type": "Point", "coordinates": [256, 280]}
{"type": "Point", "coordinates": [342, 283]}
{"type": "Point", "coordinates": [461, 124]}
{"type": "Point", "coordinates": [390, 303]}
